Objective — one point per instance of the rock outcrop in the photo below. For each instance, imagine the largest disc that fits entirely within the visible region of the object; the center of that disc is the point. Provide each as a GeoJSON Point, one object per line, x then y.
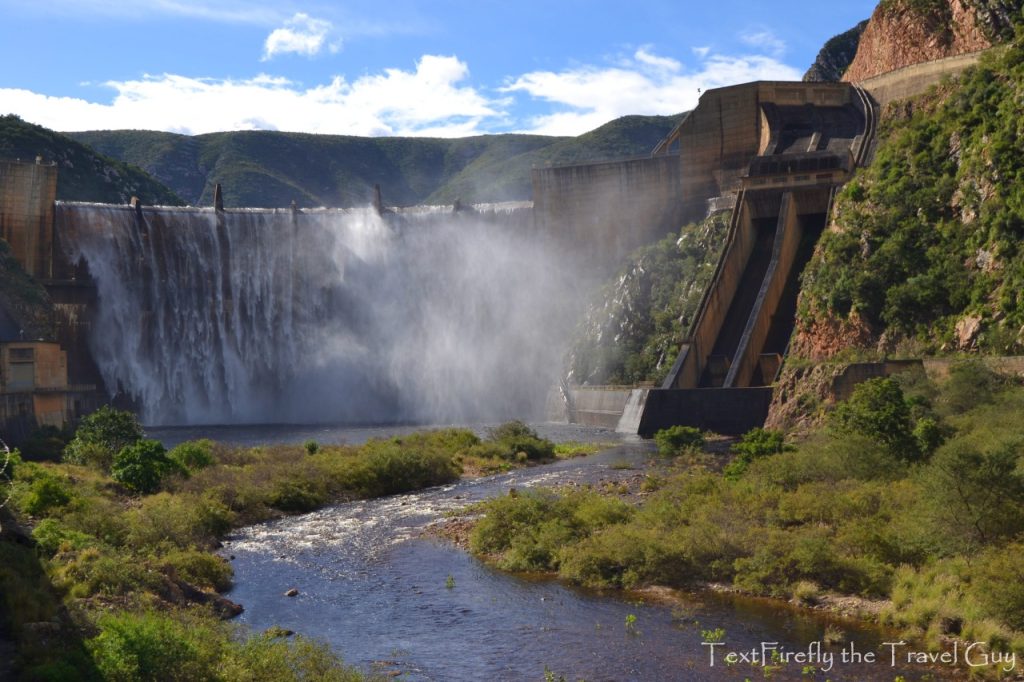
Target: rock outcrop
{"type": "Point", "coordinates": [836, 55]}
{"type": "Point", "coordinates": [905, 32]}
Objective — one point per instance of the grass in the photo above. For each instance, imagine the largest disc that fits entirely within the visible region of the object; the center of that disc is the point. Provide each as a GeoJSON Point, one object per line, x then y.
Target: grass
{"type": "Point", "coordinates": [574, 448]}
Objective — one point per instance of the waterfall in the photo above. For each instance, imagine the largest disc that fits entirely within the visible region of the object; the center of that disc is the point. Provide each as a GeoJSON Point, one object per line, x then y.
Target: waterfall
{"type": "Point", "coordinates": [274, 316]}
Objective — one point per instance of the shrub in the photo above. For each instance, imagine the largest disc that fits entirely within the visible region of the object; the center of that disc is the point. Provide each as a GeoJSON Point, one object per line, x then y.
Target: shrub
{"type": "Point", "coordinates": [755, 444]}
{"type": "Point", "coordinates": [296, 495]}
{"type": "Point", "coordinates": [151, 646]}
{"type": "Point", "coordinates": [999, 584]}
{"type": "Point", "coordinates": [199, 568]}
{"type": "Point", "coordinates": [142, 466]}
{"type": "Point", "coordinates": [193, 455]}
{"type": "Point", "coordinates": [391, 468]}
{"type": "Point", "coordinates": [516, 436]}
{"type": "Point", "coordinates": [970, 383]}
{"type": "Point", "coordinates": [52, 536]}
{"type": "Point", "coordinates": [102, 435]}
{"type": "Point", "coordinates": [532, 531]}
{"type": "Point", "coordinates": [47, 492]}
{"type": "Point", "coordinates": [676, 439]}
{"type": "Point", "coordinates": [311, 447]}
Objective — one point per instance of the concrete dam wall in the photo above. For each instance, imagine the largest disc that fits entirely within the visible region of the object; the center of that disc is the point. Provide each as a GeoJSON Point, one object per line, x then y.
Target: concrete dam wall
{"type": "Point", "coordinates": [424, 315]}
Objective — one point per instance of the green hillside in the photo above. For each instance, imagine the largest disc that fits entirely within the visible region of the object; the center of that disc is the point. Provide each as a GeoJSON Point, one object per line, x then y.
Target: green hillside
{"type": "Point", "coordinates": [271, 169]}
{"type": "Point", "coordinates": [84, 175]}
{"type": "Point", "coordinates": [925, 255]}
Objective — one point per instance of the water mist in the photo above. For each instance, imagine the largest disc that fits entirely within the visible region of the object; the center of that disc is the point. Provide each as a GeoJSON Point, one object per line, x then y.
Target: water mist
{"type": "Point", "coordinates": [324, 316]}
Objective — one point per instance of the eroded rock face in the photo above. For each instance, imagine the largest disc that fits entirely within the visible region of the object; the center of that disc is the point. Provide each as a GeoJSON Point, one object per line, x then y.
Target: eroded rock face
{"type": "Point", "coordinates": [902, 33]}
{"type": "Point", "coordinates": [823, 338]}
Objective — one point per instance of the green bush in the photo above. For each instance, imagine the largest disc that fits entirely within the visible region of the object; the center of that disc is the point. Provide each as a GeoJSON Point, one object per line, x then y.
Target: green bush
{"type": "Point", "coordinates": [516, 436]}
{"type": "Point", "coordinates": [193, 455]}
{"type": "Point", "coordinates": [999, 583]}
{"type": "Point", "coordinates": [46, 493]}
{"type": "Point", "coordinates": [295, 495]}
{"type": "Point", "coordinates": [677, 439]}
{"type": "Point", "coordinates": [141, 467]}
{"type": "Point", "coordinates": [151, 646]}
{"type": "Point", "coordinates": [101, 436]}
{"type": "Point", "coordinates": [199, 568]}
{"type": "Point", "coordinates": [529, 530]}
{"type": "Point", "coordinates": [52, 536]}
{"type": "Point", "coordinates": [754, 444]}
{"type": "Point", "coordinates": [311, 447]}
{"type": "Point", "coordinates": [970, 383]}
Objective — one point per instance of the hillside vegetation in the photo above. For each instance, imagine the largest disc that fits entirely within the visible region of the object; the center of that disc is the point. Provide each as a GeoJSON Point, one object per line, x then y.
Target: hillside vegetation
{"type": "Point", "coordinates": [913, 493]}
{"type": "Point", "coordinates": [925, 252]}
{"type": "Point", "coordinates": [631, 334]}
{"type": "Point", "coordinates": [83, 175]}
{"type": "Point", "coordinates": [271, 169]}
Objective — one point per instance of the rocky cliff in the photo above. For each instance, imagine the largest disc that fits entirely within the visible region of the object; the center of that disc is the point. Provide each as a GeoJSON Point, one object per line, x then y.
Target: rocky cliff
{"type": "Point", "coordinates": [905, 32]}
{"type": "Point", "coordinates": [835, 56]}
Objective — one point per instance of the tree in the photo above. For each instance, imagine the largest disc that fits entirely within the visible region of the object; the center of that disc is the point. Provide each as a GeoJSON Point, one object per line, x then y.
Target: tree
{"type": "Point", "coordinates": [878, 410]}
{"type": "Point", "coordinates": [142, 466]}
{"type": "Point", "coordinates": [102, 435]}
{"type": "Point", "coordinates": [976, 496]}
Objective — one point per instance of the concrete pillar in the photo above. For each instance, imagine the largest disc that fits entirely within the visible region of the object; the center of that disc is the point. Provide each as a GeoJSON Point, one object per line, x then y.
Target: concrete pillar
{"type": "Point", "coordinates": [218, 198]}
{"type": "Point", "coordinates": [378, 203]}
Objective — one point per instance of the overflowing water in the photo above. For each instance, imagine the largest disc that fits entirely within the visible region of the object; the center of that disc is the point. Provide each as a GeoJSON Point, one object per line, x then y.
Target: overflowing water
{"type": "Point", "coordinates": [340, 316]}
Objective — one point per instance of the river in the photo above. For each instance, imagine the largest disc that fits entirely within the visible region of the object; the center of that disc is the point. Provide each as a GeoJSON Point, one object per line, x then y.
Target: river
{"type": "Point", "coordinates": [378, 591]}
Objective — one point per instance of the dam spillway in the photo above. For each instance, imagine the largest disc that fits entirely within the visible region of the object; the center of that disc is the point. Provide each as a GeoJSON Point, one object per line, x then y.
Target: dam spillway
{"type": "Point", "coordinates": [331, 315]}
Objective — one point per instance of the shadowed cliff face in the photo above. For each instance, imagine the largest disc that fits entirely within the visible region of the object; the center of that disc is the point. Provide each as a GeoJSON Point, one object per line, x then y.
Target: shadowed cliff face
{"type": "Point", "coordinates": [905, 32]}
{"type": "Point", "coordinates": [836, 55]}
{"type": "Point", "coordinates": [325, 316]}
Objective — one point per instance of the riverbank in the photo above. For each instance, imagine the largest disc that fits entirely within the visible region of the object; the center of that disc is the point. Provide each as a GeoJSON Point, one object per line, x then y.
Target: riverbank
{"type": "Point", "coordinates": [907, 506]}
{"type": "Point", "coordinates": [125, 564]}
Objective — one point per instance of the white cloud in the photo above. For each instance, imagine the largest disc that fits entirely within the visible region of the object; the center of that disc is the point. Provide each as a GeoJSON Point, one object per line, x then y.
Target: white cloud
{"type": "Point", "coordinates": [428, 100]}
{"type": "Point", "coordinates": [302, 35]}
{"type": "Point", "coordinates": [764, 39]}
{"type": "Point", "coordinates": [644, 56]}
{"type": "Point", "coordinates": [648, 84]}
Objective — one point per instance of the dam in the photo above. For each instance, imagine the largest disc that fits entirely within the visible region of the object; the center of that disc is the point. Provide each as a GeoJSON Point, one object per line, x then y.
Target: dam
{"type": "Point", "coordinates": [206, 312]}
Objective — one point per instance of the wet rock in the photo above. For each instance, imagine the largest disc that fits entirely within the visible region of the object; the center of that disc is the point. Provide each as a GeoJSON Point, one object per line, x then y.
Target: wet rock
{"type": "Point", "coordinates": [293, 592]}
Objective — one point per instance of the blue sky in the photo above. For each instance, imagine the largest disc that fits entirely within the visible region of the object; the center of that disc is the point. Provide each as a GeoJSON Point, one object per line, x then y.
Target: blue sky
{"type": "Point", "coordinates": [392, 67]}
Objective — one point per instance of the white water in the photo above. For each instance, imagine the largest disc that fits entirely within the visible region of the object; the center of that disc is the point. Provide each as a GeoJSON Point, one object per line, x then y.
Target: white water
{"type": "Point", "coordinates": [323, 316]}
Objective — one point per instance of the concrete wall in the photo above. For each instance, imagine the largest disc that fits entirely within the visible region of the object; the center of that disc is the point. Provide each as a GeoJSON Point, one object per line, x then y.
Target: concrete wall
{"type": "Point", "coordinates": [916, 79]}
{"type": "Point", "coordinates": [599, 405]}
{"type": "Point", "coordinates": [719, 138]}
{"type": "Point", "coordinates": [606, 210]}
{"type": "Point", "coordinates": [718, 297]}
{"type": "Point", "coordinates": [787, 241]}
{"type": "Point", "coordinates": [27, 193]}
{"type": "Point", "coordinates": [729, 411]}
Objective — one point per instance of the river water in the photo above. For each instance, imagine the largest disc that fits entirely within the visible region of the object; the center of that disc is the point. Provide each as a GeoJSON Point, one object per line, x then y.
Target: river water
{"type": "Point", "coordinates": [377, 590]}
